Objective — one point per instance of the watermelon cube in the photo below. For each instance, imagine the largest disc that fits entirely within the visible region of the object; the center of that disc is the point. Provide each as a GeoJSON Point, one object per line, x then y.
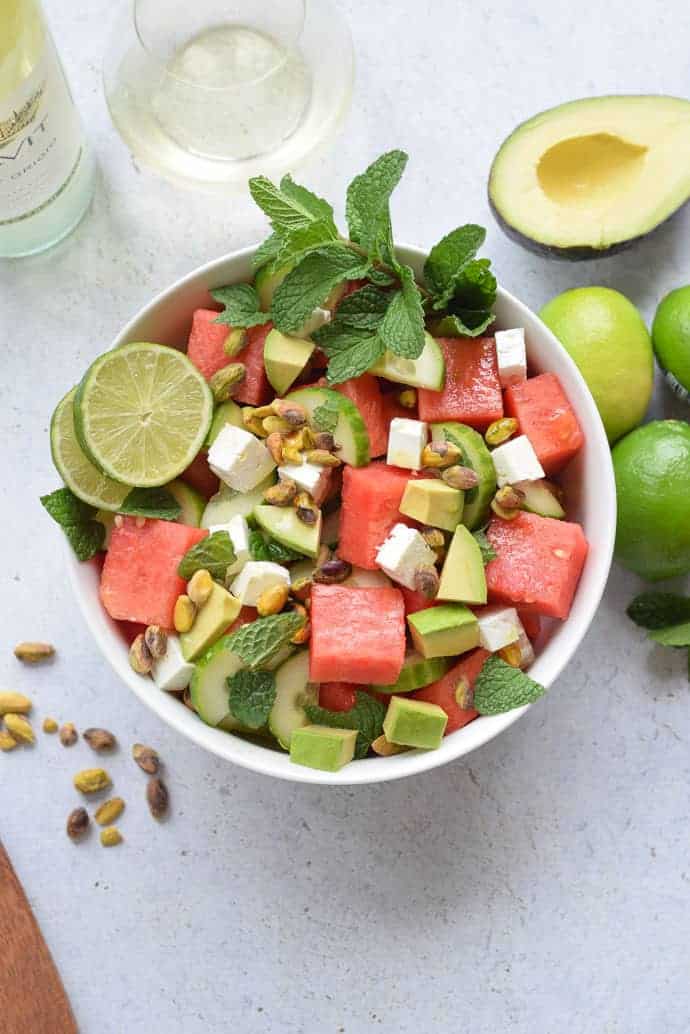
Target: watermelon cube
{"type": "Point", "coordinates": [544, 414]}
{"type": "Point", "coordinates": [371, 499]}
{"type": "Point", "coordinates": [255, 389]}
{"type": "Point", "coordinates": [414, 600]}
{"type": "Point", "coordinates": [206, 341]}
{"type": "Point", "coordinates": [365, 392]}
{"type": "Point", "coordinates": [337, 696]}
{"type": "Point", "coordinates": [472, 391]}
{"type": "Point", "coordinates": [139, 581]}
{"type": "Point", "coordinates": [443, 692]}
{"type": "Point", "coordinates": [538, 563]}
{"type": "Point", "coordinates": [357, 635]}
{"type": "Point", "coordinates": [200, 477]}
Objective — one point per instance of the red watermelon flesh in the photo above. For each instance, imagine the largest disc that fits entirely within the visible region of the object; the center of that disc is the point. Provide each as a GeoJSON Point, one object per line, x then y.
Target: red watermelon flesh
{"type": "Point", "coordinates": [392, 408]}
{"type": "Point", "coordinates": [357, 635]}
{"type": "Point", "coordinates": [472, 391]}
{"type": "Point", "coordinates": [245, 617]}
{"type": "Point", "coordinates": [365, 392]}
{"type": "Point", "coordinates": [443, 691]}
{"type": "Point", "coordinates": [206, 341]}
{"type": "Point", "coordinates": [199, 476]}
{"type": "Point", "coordinates": [545, 415]}
{"type": "Point", "coordinates": [337, 696]}
{"type": "Point", "coordinates": [140, 582]}
{"type": "Point", "coordinates": [538, 564]}
{"type": "Point", "coordinates": [531, 624]}
{"type": "Point", "coordinates": [255, 389]}
{"type": "Point", "coordinates": [414, 600]}
{"type": "Point", "coordinates": [371, 500]}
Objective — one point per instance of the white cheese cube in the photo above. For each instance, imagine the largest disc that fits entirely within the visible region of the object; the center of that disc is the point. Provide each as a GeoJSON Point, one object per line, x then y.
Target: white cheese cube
{"type": "Point", "coordinates": [402, 553]}
{"type": "Point", "coordinates": [172, 672]}
{"type": "Point", "coordinates": [316, 320]}
{"type": "Point", "coordinates": [239, 459]}
{"type": "Point", "coordinates": [255, 577]}
{"type": "Point", "coordinates": [516, 460]}
{"type": "Point", "coordinates": [406, 440]}
{"type": "Point", "coordinates": [512, 357]}
{"type": "Point", "coordinates": [309, 477]}
{"type": "Point", "coordinates": [238, 530]}
{"type": "Point", "coordinates": [498, 627]}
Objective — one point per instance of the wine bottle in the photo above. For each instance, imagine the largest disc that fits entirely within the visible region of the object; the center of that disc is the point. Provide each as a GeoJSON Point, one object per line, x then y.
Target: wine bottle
{"type": "Point", "coordinates": [46, 166]}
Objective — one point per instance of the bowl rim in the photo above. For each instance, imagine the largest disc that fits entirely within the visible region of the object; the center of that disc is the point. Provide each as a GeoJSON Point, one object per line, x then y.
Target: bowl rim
{"type": "Point", "coordinates": [274, 763]}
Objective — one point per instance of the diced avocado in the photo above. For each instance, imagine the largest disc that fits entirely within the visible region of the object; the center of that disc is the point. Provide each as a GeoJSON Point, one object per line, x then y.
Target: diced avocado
{"type": "Point", "coordinates": [318, 746]}
{"type": "Point", "coordinates": [226, 413]}
{"type": "Point", "coordinates": [219, 611]}
{"type": "Point", "coordinates": [444, 631]}
{"type": "Point", "coordinates": [414, 723]}
{"type": "Point", "coordinates": [350, 430]}
{"type": "Point", "coordinates": [283, 524]}
{"type": "Point", "coordinates": [433, 502]}
{"type": "Point", "coordinates": [427, 371]}
{"type": "Point", "coordinates": [477, 456]}
{"type": "Point", "coordinates": [293, 692]}
{"type": "Point", "coordinates": [417, 671]}
{"type": "Point", "coordinates": [192, 503]}
{"type": "Point", "coordinates": [463, 578]}
{"type": "Point", "coordinates": [284, 358]}
{"type": "Point", "coordinates": [227, 503]}
{"type": "Point", "coordinates": [540, 498]}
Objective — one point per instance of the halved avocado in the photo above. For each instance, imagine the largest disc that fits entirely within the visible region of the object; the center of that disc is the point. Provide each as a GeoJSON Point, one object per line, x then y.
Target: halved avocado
{"type": "Point", "coordinates": [591, 177]}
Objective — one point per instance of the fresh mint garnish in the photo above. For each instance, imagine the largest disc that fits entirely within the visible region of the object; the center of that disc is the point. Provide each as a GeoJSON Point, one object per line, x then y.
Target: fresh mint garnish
{"type": "Point", "coordinates": [659, 609]}
{"type": "Point", "coordinates": [263, 547]}
{"type": "Point", "coordinates": [364, 309]}
{"type": "Point", "coordinates": [367, 206]}
{"type": "Point", "coordinates": [350, 353]}
{"type": "Point", "coordinates": [252, 695]}
{"type": "Point", "coordinates": [151, 502]}
{"type": "Point", "coordinates": [454, 326]}
{"type": "Point", "coordinates": [673, 635]}
{"type": "Point", "coordinates": [85, 535]}
{"type": "Point", "coordinates": [486, 549]}
{"type": "Point", "coordinates": [366, 717]}
{"type": "Point", "coordinates": [402, 329]}
{"type": "Point", "coordinates": [448, 259]}
{"type": "Point", "coordinates": [290, 206]}
{"type": "Point", "coordinates": [258, 641]}
{"type": "Point", "coordinates": [241, 306]}
{"type": "Point", "coordinates": [499, 687]}
{"type": "Point", "coordinates": [469, 308]}
{"type": "Point", "coordinates": [214, 554]}
{"type": "Point", "coordinates": [266, 253]}
{"type": "Point", "coordinates": [311, 281]}
{"type": "Point", "coordinates": [325, 417]}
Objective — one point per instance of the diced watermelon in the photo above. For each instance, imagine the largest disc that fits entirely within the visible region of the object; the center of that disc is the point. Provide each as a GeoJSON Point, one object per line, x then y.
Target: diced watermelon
{"type": "Point", "coordinates": [545, 415]}
{"type": "Point", "coordinates": [140, 580]}
{"type": "Point", "coordinates": [337, 696]}
{"type": "Point", "coordinates": [443, 691]}
{"type": "Point", "coordinates": [365, 392]}
{"type": "Point", "coordinates": [357, 635]}
{"type": "Point", "coordinates": [371, 500]}
{"type": "Point", "coordinates": [472, 390]}
{"type": "Point", "coordinates": [538, 563]}
{"type": "Point", "coordinates": [255, 389]}
{"type": "Point", "coordinates": [245, 617]}
{"type": "Point", "coordinates": [206, 340]}
{"type": "Point", "coordinates": [392, 408]}
{"type": "Point", "coordinates": [200, 476]}
{"type": "Point", "coordinates": [414, 600]}
{"type": "Point", "coordinates": [531, 624]}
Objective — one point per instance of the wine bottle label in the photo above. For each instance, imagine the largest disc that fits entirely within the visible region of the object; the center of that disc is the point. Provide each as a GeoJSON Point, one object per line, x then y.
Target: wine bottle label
{"type": "Point", "coordinates": [40, 141]}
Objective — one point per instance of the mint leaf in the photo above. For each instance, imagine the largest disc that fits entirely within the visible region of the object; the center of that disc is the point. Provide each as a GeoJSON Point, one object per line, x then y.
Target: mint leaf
{"type": "Point", "coordinates": [486, 549]}
{"type": "Point", "coordinates": [500, 687]}
{"type": "Point", "coordinates": [402, 329]}
{"type": "Point", "coordinates": [366, 717]}
{"type": "Point", "coordinates": [673, 635]}
{"type": "Point", "coordinates": [151, 502]}
{"type": "Point", "coordinates": [257, 546]}
{"type": "Point", "coordinates": [350, 353]}
{"type": "Point", "coordinates": [367, 212]}
{"type": "Point", "coordinates": [453, 326]}
{"type": "Point", "coordinates": [252, 695]}
{"type": "Point", "coordinates": [325, 417]}
{"type": "Point", "coordinates": [263, 547]}
{"type": "Point", "coordinates": [313, 207]}
{"type": "Point", "coordinates": [659, 609]}
{"type": "Point", "coordinates": [258, 641]}
{"type": "Point", "coordinates": [448, 258]}
{"type": "Point", "coordinates": [311, 281]}
{"type": "Point", "coordinates": [214, 554]}
{"type": "Point", "coordinates": [289, 206]}
{"type": "Point", "coordinates": [267, 251]}
{"type": "Point", "coordinates": [241, 306]}
{"type": "Point", "coordinates": [296, 243]}
{"type": "Point", "coordinates": [85, 535]}
{"type": "Point", "coordinates": [364, 309]}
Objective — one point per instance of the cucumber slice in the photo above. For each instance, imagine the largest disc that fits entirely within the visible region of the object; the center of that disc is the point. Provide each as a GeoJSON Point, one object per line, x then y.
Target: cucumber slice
{"type": "Point", "coordinates": [428, 371]}
{"type": "Point", "coordinates": [478, 457]}
{"type": "Point", "coordinates": [417, 671]}
{"type": "Point", "coordinates": [350, 430]}
{"type": "Point", "coordinates": [227, 503]}
{"type": "Point", "coordinates": [293, 691]}
{"type": "Point", "coordinates": [192, 503]}
{"type": "Point", "coordinates": [541, 499]}
{"type": "Point", "coordinates": [226, 413]}
{"type": "Point", "coordinates": [209, 689]}
{"type": "Point", "coordinates": [283, 524]}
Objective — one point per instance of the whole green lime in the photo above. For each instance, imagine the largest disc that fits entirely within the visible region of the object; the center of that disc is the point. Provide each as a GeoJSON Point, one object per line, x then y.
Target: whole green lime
{"type": "Point", "coordinates": [652, 468]}
{"type": "Point", "coordinates": [606, 336]}
{"type": "Point", "coordinates": [671, 339]}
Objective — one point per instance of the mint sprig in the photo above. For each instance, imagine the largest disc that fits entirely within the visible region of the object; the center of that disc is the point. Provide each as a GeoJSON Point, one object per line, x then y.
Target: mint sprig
{"type": "Point", "coordinates": [251, 697]}
{"type": "Point", "coordinates": [241, 306]}
{"type": "Point", "coordinates": [449, 258]}
{"type": "Point", "coordinates": [214, 554]}
{"type": "Point", "coordinates": [151, 502]}
{"type": "Point", "coordinates": [290, 206]}
{"type": "Point", "coordinates": [470, 307]}
{"type": "Point", "coordinates": [367, 206]}
{"type": "Point", "coordinates": [258, 641]}
{"type": "Point", "coordinates": [366, 717]}
{"type": "Point", "coordinates": [311, 281]}
{"type": "Point", "coordinates": [325, 417]}
{"type": "Point", "coordinates": [500, 687]}
{"type": "Point", "coordinates": [263, 547]}
{"type": "Point", "coordinates": [485, 548]}
{"type": "Point", "coordinates": [402, 328]}
{"type": "Point", "coordinates": [85, 535]}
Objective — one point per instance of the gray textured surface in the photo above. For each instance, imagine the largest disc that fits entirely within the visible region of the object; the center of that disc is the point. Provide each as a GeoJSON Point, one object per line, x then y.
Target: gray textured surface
{"type": "Point", "coordinates": [540, 886]}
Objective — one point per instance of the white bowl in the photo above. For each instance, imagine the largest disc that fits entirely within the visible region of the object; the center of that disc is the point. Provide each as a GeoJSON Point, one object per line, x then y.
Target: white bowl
{"type": "Point", "coordinates": [591, 500]}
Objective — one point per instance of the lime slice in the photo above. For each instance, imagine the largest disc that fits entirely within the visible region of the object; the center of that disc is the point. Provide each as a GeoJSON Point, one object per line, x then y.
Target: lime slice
{"type": "Point", "coordinates": [142, 413]}
{"type": "Point", "coordinates": [75, 469]}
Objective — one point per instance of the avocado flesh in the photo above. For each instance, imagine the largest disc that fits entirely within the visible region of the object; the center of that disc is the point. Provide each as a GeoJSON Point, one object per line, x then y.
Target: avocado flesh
{"type": "Point", "coordinates": [590, 177]}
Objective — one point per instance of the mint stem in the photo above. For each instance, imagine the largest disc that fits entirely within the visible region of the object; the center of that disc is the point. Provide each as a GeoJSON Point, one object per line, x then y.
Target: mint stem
{"type": "Point", "coordinates": [388, 270]}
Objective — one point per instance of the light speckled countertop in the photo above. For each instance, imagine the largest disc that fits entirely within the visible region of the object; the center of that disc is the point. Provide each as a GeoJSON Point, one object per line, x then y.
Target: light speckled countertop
{"type": "Point", "coordinates": [541, 885]}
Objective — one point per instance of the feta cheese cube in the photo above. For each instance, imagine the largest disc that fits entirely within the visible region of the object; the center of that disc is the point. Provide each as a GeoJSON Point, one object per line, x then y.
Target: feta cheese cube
{"type": "Point", "coordinates": [406, 440]}
{"type": "Point", "coordinates": [307, 476]}
{"type": "Point", "coordinates": [516, 460]}
{"type": "Point", "coordinates": [172, 672]}
{"type": "Point", "coordinates": [317, 319]}
{"type": "Point", "coordinates": [512, 357]}
{"type": "Point", "coordinates": [238, 530]}
{"type": "Point", "coordinates": [402, 553]}
{"type": "Point", "coordinates": [239, 459]}
{"type": "Point", "coordinates": [498, 627]}
{"type": "Point", "coordinates": [255, 577]}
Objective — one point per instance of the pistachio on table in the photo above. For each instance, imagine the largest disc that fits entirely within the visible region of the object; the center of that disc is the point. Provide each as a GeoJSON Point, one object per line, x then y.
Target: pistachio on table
{"type": "Point", "coordinates": [33, 653]}
{"type": "Point", "coordinates": [157, 797]}
{"type": "Point", "coordinates": [99, 739]}
{"type": "Point", "coordinates": [146, 758]}
{"type": "Point", "coordinates": [77, 823]}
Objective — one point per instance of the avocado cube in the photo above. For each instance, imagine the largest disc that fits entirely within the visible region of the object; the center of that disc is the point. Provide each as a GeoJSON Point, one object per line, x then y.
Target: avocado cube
{"type": "Point", "coordinates": [318, 746]}
{"type": "Point", "coordinates": [284, 359]}
{"type": "Point", "coordinates": [414, 723]}
{"type": "Point", "coordinates": [444, 631]}
{"type": "Point", "coordinates": [219, 611]}
{"type": "Point", "coordinates": [433, 502]}
{"type": "Point", "coordinates": [463, 578]}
